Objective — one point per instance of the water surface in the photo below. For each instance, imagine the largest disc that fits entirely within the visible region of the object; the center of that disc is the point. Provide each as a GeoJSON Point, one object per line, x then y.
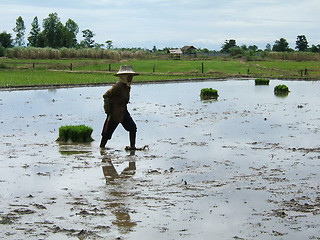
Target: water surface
{"type": "Point", "coordinates": [243, 167]}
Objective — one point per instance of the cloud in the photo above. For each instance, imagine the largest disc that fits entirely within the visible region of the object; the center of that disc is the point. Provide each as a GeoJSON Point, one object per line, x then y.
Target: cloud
{"type": "Point", "coordinates": [205, 23]}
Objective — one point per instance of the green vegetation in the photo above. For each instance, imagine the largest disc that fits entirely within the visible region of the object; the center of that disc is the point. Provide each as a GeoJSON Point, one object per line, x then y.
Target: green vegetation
{"type": "Point", "coordinates": [281, 89]}
{"type": "Point", "coordinates": [35, 72]}
{"type": "Point", "coordinates": [75, 134]}
{"type": "Point", "coordinates": [31, 78]}
{"type": "Point", "coordinates": [262, 81]}
{"type": "Point", "coordinates": [209, 93]}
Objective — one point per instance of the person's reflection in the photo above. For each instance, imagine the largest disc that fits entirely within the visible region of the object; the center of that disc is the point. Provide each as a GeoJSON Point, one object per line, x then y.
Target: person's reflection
{"type": "Point", "coordinates": [123, 220]}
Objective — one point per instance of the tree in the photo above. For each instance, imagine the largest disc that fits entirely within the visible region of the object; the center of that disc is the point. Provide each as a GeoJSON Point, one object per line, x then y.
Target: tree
{"type": "Point", "coordinates": [5, 40]}
{"type": "Point", "coordinates": [42, 41]}
{"type": "Point", "coordinates": [253, 48]}
{"type": "Point", "coordinates": [302, 43]}
{"type": "Point", "coordinates": [244, 47]}
{"type": "Point", "coordinates": [33, 39]}
{"type": "Point", "coordinates": [315, 48]}
{"type": "Point", "coordinates": [154, 49]}
{"type": "Point", "coordinates": [61, 35]}
{"type": "Point", "coordinates": [228, 45]}
{"type": "Point", "coordinates": [281, 45]}
{"type": "Point", "coordinates": [268, 47]}
{"type": "Point", "coordinates": [98, 45]}
{"type": "Point", "coordinates": [109, 44]}
{"type": "Point", "coordinates": [236, 51]}
{"type": "Point", "coordinates": [50, 25]}
{"type": "Point", "coordinates": [54, 34]}
{"type": "Point", "coordinates": [87, 42]}
{"type": "Point", "coordinates": [72, 30]}
{"type": "Point", "coordinates": [20, 31]}
{"type": "Point", "coordinates": [205, 50]}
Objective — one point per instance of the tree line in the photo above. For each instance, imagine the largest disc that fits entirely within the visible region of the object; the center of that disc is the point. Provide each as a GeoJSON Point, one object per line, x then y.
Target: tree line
{"type": "Point", "coordinates": [56, 35]}
{"type": "Point", "coordinates": [53, 35]}
{"type": "Point", "coordinates": [280, 45]}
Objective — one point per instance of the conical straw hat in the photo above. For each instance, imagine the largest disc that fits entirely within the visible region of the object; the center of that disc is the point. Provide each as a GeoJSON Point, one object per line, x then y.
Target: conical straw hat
{"type": "Point", "coordinates": [126, 70]}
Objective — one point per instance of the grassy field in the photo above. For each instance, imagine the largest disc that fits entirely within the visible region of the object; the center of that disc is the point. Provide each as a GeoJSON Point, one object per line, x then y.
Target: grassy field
{"type": "Point", "coordinates": [15, 72]}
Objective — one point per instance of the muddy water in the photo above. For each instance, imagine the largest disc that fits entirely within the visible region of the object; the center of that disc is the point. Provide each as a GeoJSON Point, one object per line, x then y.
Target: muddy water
{"type": "Point", "coordinates": [243, 167]}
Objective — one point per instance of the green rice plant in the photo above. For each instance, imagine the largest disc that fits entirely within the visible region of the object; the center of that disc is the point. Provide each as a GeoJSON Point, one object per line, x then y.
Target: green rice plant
{"type": "Point", "coordinates": [75, 134]}
{"type": "Point", "coordinates": [209, 93]}
{"type": "Point", "coordinates": [281, 88]}
{"type": "Point", "coordinates": [3, 66]}
{"type": "Point", "coordinates": [262, 81]}
{"type": "Point", "coordinates": [40, 71]}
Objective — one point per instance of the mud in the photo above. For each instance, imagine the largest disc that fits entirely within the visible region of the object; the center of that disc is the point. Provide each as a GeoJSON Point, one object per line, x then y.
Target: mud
{"type": "Point", "coordinates": [243, 167]}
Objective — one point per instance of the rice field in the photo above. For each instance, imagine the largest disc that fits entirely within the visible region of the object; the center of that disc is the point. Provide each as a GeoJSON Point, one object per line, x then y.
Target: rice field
{"type": "Point", "coordinates": [30, 72]}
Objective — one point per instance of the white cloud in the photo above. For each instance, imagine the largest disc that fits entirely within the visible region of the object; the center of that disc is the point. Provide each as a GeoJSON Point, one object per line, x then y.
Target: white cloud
{"type": "Point", "coordinates": [207, 23]}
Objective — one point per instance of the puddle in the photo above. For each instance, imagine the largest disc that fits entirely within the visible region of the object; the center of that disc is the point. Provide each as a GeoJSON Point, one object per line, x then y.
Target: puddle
{"type": "Point", "coordinates": [243, 167]}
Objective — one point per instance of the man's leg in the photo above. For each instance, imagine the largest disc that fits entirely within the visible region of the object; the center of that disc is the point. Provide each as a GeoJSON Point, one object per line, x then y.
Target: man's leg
{"type": "Point", "coordinates": [108, 128]}
{"type": "Point", "coordinates": [103, 142]}
{"type": "Point", "coordinates": [131, 127]}
{"type": "Point", "coordinates": [132, 137]}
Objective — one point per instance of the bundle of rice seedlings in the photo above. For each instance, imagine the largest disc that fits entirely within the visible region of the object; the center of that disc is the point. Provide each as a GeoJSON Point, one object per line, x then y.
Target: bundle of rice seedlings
{"type": "Point", "coordinates": [75, 134]}
{"type": "Point", "coordinates": [209, 93]}
{"type": "Point", "coordinates": [262, 81]}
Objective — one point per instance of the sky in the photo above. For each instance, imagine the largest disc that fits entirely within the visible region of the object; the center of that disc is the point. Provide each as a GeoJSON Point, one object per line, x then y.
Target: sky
{"type": "Point", "coordinates": [176, 23]}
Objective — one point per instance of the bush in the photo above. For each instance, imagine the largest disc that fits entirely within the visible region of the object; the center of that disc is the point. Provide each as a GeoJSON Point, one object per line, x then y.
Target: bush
{"type": "Point", "coordinates": [76, 134]}
{"type": "Point", "coordinates": [209, 93]}
{"type": "Point", "coordinates": [262, 81]}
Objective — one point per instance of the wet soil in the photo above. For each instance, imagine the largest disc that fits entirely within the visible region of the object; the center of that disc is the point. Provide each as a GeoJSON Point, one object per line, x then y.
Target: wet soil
{"type": "Point", "coordinates": [243, 167]}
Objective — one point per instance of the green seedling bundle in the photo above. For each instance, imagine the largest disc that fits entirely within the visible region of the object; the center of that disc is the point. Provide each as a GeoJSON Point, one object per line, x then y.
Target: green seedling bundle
{"type": "Point", "coordinates": [209, 93]}
{"type": "Point", "coordinates": [262, 81]}
{"type": "Point", "coordinates": [75, 134]}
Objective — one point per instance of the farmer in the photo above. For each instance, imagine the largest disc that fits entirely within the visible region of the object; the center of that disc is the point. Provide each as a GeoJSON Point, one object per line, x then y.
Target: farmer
{"type": "Point", "coordinates": [115, 106]}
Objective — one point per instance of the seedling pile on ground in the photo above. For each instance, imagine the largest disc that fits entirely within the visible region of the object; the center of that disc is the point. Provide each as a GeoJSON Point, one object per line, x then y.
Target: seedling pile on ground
{"type": "Point", "coordinates": [262, 81]}
{"type": "Point", "coordinates": [75, 134]}
{"type": "Point", "coordinates": [209, 93]}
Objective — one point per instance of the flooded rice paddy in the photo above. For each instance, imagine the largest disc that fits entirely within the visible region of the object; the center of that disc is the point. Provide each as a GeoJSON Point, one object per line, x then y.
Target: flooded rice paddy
{"type": "Point", "coordinates": [243, 167]}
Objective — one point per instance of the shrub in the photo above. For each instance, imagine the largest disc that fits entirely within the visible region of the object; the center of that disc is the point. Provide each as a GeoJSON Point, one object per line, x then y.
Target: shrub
{"type": "Point", "coordinates": [262, 81]}
{"type": "Point", "coordinates": [209, 93]}
{"type": "Point", "coordinates": [76, 134]}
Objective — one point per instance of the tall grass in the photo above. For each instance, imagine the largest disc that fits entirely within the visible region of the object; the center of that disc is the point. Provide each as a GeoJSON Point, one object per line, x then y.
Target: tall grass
{"type": "Point", "coordinates": [294, 56]}
{"type": "Point", "coordinates": [91, 53]}
{"type": "Point", "coordinates": [33, 53]}
{"type": "Point", "coordinates": [117, 55]}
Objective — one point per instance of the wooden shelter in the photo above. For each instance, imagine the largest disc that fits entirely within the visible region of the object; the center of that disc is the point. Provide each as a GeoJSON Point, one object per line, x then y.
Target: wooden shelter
{"type": "Point", "coordinates": [175, 53]}
{"type": "Point", "coordinates": [189, 51]}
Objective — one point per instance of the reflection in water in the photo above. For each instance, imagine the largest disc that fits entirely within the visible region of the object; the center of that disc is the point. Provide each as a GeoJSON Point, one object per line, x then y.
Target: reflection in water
{"type": "Point", "coordinates": [120, 191]}
{"type": "Point", "coordinates": [281, 94]}
{"type": "Point", "coordinates": [74, 148]}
